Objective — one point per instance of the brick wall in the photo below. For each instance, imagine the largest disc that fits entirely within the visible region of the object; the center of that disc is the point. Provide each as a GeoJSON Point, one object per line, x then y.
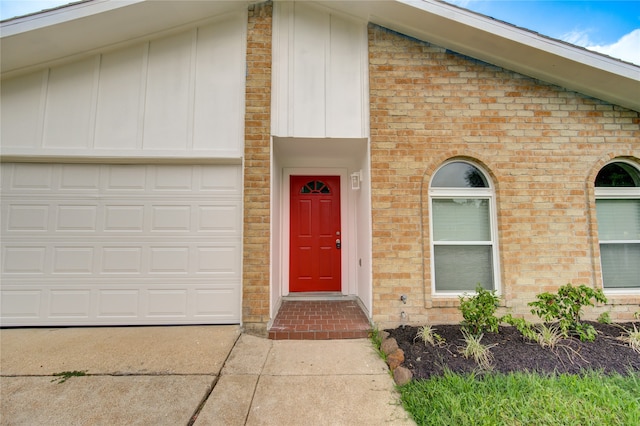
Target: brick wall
{"type": "Point", "coordinates": [255, 285]}
{"type": "Point", "coordinates": [541, 144]}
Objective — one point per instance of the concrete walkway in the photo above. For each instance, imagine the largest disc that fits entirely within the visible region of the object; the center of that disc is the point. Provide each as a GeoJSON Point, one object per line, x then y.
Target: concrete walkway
{"type": "Point", "coordinates": [175, 375]}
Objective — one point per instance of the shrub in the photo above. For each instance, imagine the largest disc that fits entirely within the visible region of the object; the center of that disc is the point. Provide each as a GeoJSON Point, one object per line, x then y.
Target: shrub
{"type": "Point", "coordinates": [632, 338]}
{"type": "Point", "coordinates": [548, 336]}
{"type": "Point", "coordinates": [480, 353]}
{"type": "Point", "coordinates": [525, 328]}
{"type": "Point", "coordinates": [478, 311]}
{"type": "Point", "coordinates": [566, 306]}
{"type": "Point", "coordinates": [604, 318]}
{"type": "Point", "coordinates": [428, 335]}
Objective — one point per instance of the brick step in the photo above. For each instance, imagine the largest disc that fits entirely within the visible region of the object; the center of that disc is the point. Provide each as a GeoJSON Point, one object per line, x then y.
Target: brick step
{"type": "Point", "coordinates": [319, 320]}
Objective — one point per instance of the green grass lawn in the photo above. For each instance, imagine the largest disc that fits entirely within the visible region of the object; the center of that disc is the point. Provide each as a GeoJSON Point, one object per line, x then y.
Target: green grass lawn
{"type": "Point", "coordinates": [524, 399]}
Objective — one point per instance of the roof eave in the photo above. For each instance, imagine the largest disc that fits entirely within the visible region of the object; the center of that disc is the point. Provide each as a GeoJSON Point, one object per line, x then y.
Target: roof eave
{"type": "Point", "coordinates": [79, 29]}
{"type": "Point", "coordinates": [42, 39]}
{"type": "Point", "coordinates": [506, 46]}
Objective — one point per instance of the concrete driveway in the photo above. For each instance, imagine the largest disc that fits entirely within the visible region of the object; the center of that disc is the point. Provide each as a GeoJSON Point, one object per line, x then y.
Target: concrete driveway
{"type": "Point", "coordinates": [135, 375]}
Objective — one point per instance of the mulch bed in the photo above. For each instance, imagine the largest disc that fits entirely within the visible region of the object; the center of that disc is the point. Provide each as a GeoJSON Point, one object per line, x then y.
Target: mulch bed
{"type": "Point", "coordinates": [513, 353]}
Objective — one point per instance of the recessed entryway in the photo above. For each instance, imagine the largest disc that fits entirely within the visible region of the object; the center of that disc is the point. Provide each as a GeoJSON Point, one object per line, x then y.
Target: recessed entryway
{"type": "Point", "coordinates": [320, 223]}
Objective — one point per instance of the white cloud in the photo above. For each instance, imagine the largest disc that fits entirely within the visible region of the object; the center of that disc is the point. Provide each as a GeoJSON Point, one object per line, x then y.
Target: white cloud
{"type": "Point", "coordinates": [626, 48]}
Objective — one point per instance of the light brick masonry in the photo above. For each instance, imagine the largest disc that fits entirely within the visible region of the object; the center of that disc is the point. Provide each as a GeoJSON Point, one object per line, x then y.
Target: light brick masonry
{"type": "Point", "coordinates": [255, 271]}
{"type": "Point", "coordinates": [542, 145]}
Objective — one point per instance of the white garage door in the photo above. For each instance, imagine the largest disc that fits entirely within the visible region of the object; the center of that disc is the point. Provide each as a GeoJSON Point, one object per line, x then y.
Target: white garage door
{"type": "Point", "coordinates": [89, 244]}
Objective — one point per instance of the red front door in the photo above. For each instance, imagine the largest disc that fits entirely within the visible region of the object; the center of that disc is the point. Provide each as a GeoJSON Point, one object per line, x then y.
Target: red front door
{"type": "Point", "coordinates": [315, 235]}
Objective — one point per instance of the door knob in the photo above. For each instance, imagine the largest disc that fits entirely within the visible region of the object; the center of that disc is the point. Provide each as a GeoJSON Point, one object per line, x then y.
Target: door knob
{"type": "Point", "coordinates": [338, 243]}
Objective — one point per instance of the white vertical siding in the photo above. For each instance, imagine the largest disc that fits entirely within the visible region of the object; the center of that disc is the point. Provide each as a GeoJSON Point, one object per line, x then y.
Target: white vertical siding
{"type": "Point", "coordinates": [218, 93]}
{"type": "Point", "coordinates": [177, 96]}
{"type": "Point", "coordinates": [118, 127]}
{"type": "Point", "coordinates": [308, 85]}
{"type": "Point", "coordinates": [167, 101]}
{"type": "Point", "coordinates": [347, 79]}
{"type": "Point", "coordinates": [320, 73]}
{"type": "Point", "coordinates": [21, 110]}
{"type": "Point", "coordinates": [68, 106]}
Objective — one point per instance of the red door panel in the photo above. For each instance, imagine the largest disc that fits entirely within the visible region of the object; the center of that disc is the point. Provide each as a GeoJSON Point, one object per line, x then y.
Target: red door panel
{"type": "Point", "coordinates": [314, 255]}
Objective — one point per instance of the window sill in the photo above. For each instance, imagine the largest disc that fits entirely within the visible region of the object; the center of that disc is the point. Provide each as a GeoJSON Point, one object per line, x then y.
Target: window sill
{"type": "Point", "coordinates": [625, 297]}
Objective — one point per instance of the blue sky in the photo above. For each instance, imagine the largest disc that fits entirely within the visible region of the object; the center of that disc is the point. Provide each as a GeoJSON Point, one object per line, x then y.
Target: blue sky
{"type": "Point", "coordinates": [611, 27]}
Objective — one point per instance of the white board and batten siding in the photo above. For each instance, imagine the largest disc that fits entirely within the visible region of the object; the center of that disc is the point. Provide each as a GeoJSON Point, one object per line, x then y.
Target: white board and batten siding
{"type": "Point", "coordinates": [320, 75]}
{"type": "Point", "coordinates": [122, 184]}
{"type": "Point", "coordinates": [181, 96]}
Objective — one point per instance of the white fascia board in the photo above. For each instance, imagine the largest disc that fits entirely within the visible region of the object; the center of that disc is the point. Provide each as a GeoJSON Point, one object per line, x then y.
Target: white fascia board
{"type": "Point", "coordinates": [69, 32]}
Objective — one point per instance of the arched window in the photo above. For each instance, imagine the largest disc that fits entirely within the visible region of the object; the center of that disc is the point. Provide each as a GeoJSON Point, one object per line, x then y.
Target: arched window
{"type": "Point", "coordinates": [315, 187]}
{"type": "Point", "coordinates": [463, 236]}
{"type": "Point", "coordinates": [618, 212]}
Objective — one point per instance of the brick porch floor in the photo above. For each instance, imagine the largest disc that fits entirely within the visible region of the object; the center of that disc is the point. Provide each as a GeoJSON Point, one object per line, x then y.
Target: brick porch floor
{"type": "Point", "coordinates": [319, 320]}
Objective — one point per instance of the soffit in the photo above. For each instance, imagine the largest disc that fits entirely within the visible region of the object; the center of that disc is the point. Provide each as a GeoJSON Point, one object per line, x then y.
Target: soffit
{"type": "Point", "coordinates": [83, 28]}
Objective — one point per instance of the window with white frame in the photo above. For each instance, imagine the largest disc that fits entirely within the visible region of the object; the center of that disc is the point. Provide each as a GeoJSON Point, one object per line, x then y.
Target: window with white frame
{"type": "Point", "coordinates": [463, 229]}
{"type": "Point", "coordinates": [617, 190]}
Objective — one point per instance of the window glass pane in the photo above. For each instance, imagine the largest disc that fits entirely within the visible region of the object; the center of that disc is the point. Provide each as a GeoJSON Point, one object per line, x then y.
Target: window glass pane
{"type": "Point", "coordinates": [620, 265]}
{"type": "Point", "coordinates": [618, 175]}
{"type": "Point", "coordinates": [315, 187]}
{"type": "Point", "coordinates": [618, 219]}
{"type": "Point", "coordinates": [459, 175]}
{"type": "Point", "coordinates": [461, 268]}
{"type": "Point", "coordinates": [461, 219]}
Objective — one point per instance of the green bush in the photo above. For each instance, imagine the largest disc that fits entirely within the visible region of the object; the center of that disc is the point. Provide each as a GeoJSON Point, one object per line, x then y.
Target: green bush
{"type": "Point", "coordinates": [478, 311]}
{"type": "Point", "coordinates": [604, 318]}
{"type": "Point", "coordinates": [566, 306]}
{"type": "Point", "coordinates": [524, 327]}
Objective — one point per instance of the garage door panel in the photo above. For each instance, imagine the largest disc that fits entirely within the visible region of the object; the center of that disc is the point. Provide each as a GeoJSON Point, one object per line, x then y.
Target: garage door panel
{"type": "Point", "coordinates": [131, 244]}
{"type": "Point", "coordinates": [27, 177]}
{"type": "Point", "coordinates": [128, 258]}
{"type": "Point", "coordinates": [219, 261]}
{"type": "Point", "coordinates": [171, 218]}
{"type": "Point", "coordinates": [173, 260]}
{"type": "Point", "coordinates": [121, 260]}
{"type": "Point", "coordinates": [221, 180]}
{"type": "Point", "coordinates": [125, 178]}
{"type": "Point", "coordinates": [82, 177]}
{"type": "Point", "coordinates": [167, 303]}
{"type": "Point", "coordinates": [27, 217]}
{"type": "Point", "coordinates": [172, 178]}
{"type": "Point", "coordinates": [118, 304]}
{"type": "Point", "coordinates": [151, 303]}
{"type": "Point", "coordinates": [215, 302]}
{"type": "Point", "coordinates": [224, 218]}
{"type": "Point", "coordinates": [69, 303]}
{"type": "Point", "coordinates": [76, 217]}
{"type": "Point", "coordinates": [124, 217]}
{"type": "Point", "coordinates": [24, 260]}
{"type": "Point", "coordinates": [73, 260]}
{"type": "Point", "coordinates": [21, 304]}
